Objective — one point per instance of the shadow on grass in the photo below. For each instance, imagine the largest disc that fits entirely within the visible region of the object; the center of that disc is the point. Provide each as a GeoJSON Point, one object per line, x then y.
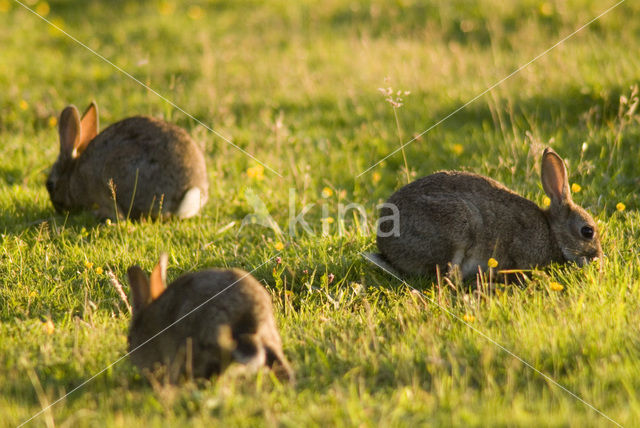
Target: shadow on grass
{"type": "Point", "coordinates": [28, 216]}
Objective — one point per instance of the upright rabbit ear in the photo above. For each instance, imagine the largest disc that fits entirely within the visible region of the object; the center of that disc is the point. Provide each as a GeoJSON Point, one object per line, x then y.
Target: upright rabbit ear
{"type": "Point", "coordinates": [554, 178]}
{"type": "Point", "coordinates": [88, 127]}
{"type": "Point", "coordinates": [159, 277]}
{"type": "Point", "coordinates": [69, 130]}
{"type": "Point", "coordinates": [140, 289]}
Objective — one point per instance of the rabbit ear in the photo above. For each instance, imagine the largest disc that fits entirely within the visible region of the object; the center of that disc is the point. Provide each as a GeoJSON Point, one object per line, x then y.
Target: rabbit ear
{"type": "Point", "coordinates": [159, 277]}
{"type": "Point", "coordinates": [88, 127]}
{"type": "Point", "coordinates": [69, 130]}
{"type": "Point", "coordinates": [140, 289]}
{"type": "Point", "coordinates": [554, 178]}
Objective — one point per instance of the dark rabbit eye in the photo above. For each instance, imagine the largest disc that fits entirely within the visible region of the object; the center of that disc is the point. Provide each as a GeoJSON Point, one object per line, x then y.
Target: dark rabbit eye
{"type": "Point", "coordinates": [587, 232]}
{"type": "Point", "coordinates": [50, 185]}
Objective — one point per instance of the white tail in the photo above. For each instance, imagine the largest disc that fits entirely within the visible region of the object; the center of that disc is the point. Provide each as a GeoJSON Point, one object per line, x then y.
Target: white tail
{"type": "Point", "coordinates": [191, 203]}
{"type": "Point", "coordinates": [251, 361]}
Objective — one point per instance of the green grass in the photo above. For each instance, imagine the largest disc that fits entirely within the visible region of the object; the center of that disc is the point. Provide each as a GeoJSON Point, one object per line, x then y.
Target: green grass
{"type": "Point", "coordinates": [296, 84]}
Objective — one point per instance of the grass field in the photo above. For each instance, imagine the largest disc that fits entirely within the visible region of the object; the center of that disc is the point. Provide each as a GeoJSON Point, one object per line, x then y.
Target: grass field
{"type": "Point", "coordinates": [296, 84]}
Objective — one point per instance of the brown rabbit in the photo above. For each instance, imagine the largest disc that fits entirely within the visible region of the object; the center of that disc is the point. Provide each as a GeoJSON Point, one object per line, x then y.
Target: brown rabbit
{"type": "Point", "coordinates": [153, 167]}
{"type": "Point", "coordinates": [463, 219]}
{"type": "Point", "coordinates": [201, 323]}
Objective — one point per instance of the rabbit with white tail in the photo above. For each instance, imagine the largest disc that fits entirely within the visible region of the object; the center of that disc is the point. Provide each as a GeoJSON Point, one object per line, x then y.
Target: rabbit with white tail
{"type": "Point", "coordinates": [152, 167]}
{"type": "Point", "coordinates": [461, 219]}
{"type": "Point", "coordinates": [201, 323]}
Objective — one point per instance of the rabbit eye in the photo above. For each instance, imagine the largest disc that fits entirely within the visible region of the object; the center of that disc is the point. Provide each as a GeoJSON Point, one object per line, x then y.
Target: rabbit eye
{"type": "Point", "coordinates": [587, 232]}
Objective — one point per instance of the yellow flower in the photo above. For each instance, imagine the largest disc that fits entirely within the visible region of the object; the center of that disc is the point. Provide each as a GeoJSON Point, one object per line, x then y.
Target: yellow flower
{"type": "Point", "coordinates": [256, 172]}
{"type": "Point", "coordinates": [556, 286]}
{"type": "Point", "coordinates": [88, 265]}
{"type": "Point", "coordinates": [546, 9]}
{"type": "Point", "coordinates": [469, 318]}
{"type": "Point", "coordinates": [575, 188]}
{"type": "Point", "coordinates": [327, 192]}
{"type": "Point", "coordinates": [279, 246]}
{"type": "Point", "coordinates": [493, 263]}
{"type": "Point", "coordinates": [48, 326]}
{"type": "Point", "coordinates": [375, 177]}
{"type": "Point", "coordinates": [23, 105]}
{"type": "Point", "coordinates": [166, 8]}
{"type": "Point", "coordinates": [4, 6]}
{"type": "Point", "coordinates": [329, 220]}
{"type": "Point", "coordinates": [458, 149]}
{"type": "Point", "coordinates": [195, 12]}
{"type": "Point", "coordinates": [620, 206]}
{"type": "Point", "coordinates": [58, 22]}
{"type": "Point", "coordinates": [546, 201]}
{"type": "Point", "coordinates": [53, 122]}
{"type": "Point", "coordinates": [99, 270]}
{"type": "Point", "coordinates": [43, 8]}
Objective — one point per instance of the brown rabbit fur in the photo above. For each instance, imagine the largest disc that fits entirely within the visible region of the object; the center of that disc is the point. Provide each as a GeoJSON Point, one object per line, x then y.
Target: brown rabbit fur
{"type": "Point", "coordinates": [152, 167]}
{"type": "Point", "coordinates": [458, 220]}
{"type": "Point", "coordinates": [201, 323]}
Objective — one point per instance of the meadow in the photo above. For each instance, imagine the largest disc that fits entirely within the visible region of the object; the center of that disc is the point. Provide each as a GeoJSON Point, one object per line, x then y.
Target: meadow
{"type": "Point", "coordinates": [297, 85]}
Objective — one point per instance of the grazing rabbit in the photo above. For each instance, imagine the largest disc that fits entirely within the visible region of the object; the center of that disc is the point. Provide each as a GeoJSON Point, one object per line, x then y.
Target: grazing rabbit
{"type": "Point", "coordinates": [152, 167]}
{"type": "Point", "coordinates": [201, 323]}
{"type": "Point", "coordinates": [460, 219]}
